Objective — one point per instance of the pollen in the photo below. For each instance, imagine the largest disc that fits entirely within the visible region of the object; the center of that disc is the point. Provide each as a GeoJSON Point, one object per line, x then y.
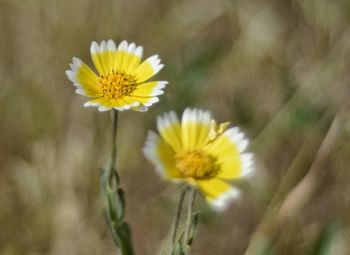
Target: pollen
{"type": "Point", "coordinates": [196, 164]}
{"type": "Point", "coordinates": [117, 84]}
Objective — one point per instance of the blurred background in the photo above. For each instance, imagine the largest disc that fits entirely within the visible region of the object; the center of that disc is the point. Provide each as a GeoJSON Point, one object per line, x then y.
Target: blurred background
{"type": "Point", "coordinates": [278, 69]}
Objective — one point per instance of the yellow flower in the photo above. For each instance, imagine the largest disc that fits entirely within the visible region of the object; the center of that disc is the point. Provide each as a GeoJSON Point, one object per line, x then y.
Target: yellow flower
{"type": "Point", "coordinates": [201, 153]}
{"type": "Point", "coordinates": [121, 79]}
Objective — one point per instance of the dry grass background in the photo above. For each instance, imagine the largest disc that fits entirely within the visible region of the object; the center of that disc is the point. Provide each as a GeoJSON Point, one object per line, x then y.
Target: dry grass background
{"type": "Point", "coordinates": [278, 69]}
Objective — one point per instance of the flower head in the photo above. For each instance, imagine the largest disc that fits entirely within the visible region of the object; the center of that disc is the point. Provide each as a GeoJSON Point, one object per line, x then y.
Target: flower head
{"type": "Point", "coordinates": [121, 81]}
{"type": "Point", "coordinates": [200, 152]}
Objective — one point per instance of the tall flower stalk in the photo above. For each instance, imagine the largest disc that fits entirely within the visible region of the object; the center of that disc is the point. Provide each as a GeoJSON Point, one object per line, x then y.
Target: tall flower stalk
{"type": "Point", "coordinates": [189, 219]}
{"type": "Point", "coordinates": [178, 216]}
{"type": "Point", "coordinates": [120, 82]}
{"type": "Point", "coordinates": [181, 245]}
{"type": "Point", "coordinates": [114, 199]}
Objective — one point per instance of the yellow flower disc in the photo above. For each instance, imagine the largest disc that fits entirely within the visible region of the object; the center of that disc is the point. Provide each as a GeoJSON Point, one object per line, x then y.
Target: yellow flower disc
{"type": "Point", "coordinates": [196, 164]}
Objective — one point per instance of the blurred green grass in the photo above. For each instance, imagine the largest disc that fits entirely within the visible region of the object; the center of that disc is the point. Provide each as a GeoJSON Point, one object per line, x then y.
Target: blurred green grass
{"type": "Point", "coordinates": [278, 69]}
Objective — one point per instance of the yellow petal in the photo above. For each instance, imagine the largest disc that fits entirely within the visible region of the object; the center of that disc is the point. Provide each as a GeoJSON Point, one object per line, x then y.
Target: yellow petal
{"type": "Point", "coordinates": [88, 80]}
{"type": "Point", "coordinates": [130, 58]}
{"type": "Point", "coordinates": [228, 148]}
{"type": "Point", "coordinates": [160, 154]}
{"type": "Point", "coordinates": [170, 130]}
{"type": "Point", "coordinates": [225, 145]}
{"type": "Point", "coordinates": [148, 68]}
{"type": "Point", "coordinates": [83, 78]}
{"type": "Point", "coordinates": [236, 167]}
{"type": "Point", "coordinates": [144, 101]}
{"type": "Point", "coordinates": [134, 60]}
{"type": "Point", "coordinates": [102, 56]}
{"type": "Point", "coordinates": [217, 192]}
{"type": "Point", "coordinates": [149, 89]}
{"type": "Point", "coordinates": [230, 168]}
{"type": "Point", "coordinates": [195, 127]}
{"type": "Point", "coordinates": [125, 59]}
{"type": "Point", "coordinates": [107, 102]}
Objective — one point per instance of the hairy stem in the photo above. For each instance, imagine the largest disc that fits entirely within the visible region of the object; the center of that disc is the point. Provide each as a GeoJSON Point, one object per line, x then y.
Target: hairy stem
{"type": "Point", "coordinates": [178, 215]}
{"type": "Point", "coordinates": [113, 169]}
{"type": "Point", "coordinates": [188, 225]}
{"type": "Point", "coordinates": [115, 199]}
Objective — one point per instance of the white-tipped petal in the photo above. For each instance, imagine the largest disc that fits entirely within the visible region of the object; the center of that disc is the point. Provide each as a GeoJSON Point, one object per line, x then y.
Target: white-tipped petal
{"type": "Point", "coordinates": [139, 51]}
{"type": "Point", "coordinates": [151, 101]}
{"type": "Point", "coordinates": [242, 145]}
{"type": "Point", "coordinates": [72, 67]}
{"type": "Point", "coordinates": [111, 45]}
{"type": "Point", "coordinates": [80, 92]}
{"type": "Point", "coordinates": [247, 164]}
{"type": "Point", "coordinates": [186, 115]}
{"type": "Point", "coordinates": [154, 61]}
{"type": "Point", "coordinates": [158, 68]}
{"type": "Point", "coordinates": [71, 75]}
{"type": "Point", "coordinates": [148, 68]}
{"type": "Point", "coordinates": [196, 116]}
{"type": "Point", "coordinates": [126, 107]}
{"type": "Point", "coordinates": [173, 117]}
{"type": "Point", "coordinates": [94, 48]}
{"type": "Point", "coordinates": [150, 144]}
{"type": "Point", "coordinates": [103, 46]}
{"type": "Point", "coordinates": [166, 120]}
{"type": "Point", "coordinates": [150, 89]}
{"type": "Point", "coordinates": [237, 138]}
{"type": "Point", "coordinates": [88, 104]}
{"type": "Point", "coordinates": [102, 108]}
{"type": "Point", "coordinates": [123, 46]}
{"type": "Point", "coordinates": [77, 62]}
{"type": "Point", "coordinates": [140, 108]}
{"type": "Point", "coordinates": [161, 84]}
{"type": "Point", "coordinates": [157, 90]}
{"type": "Point", "coordinates": [131, 48]}
{"type": "Point", "coordinates": [151, 149]}
{"type": "Point", "coordinates": [222, 202]}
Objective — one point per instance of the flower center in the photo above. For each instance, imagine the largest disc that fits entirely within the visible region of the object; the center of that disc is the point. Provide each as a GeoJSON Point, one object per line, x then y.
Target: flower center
{"type": "Point", "coordinates": [117, 84]}
{"type": "Point", "coordinates": [196, 164]}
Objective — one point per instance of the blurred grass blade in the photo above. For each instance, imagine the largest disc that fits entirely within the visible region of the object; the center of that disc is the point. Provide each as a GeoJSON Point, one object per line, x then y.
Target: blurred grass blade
{"type": "Point", "coordinates": [325, 239]}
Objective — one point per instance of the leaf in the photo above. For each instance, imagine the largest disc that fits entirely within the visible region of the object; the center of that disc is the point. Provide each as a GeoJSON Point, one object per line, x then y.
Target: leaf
{"type": "Point", "coordinates": [195, 219]}
{"type": "Point", "coordinates": [178, 250]}
{"type": "Point", "coordinates": [121, 200]}
{"type": "Point", "coordinates": [114, 199]}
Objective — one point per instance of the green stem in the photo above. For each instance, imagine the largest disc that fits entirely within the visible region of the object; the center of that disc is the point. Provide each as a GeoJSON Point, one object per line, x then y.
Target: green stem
{"type": "Point", "coordinates": [114, 198]}
{"type": "Point", "coordinates": [189, 215]}
{"type": "Point", "coordinates": [113, 168]}
{"type": "Point", "coordinates": [178, 215]}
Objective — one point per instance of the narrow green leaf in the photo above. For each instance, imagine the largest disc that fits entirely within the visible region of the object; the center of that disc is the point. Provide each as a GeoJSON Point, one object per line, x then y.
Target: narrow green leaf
{"type": "Point", "coordinates": [121, 200]}
{"type": "Point", "coordinates": [195, 219]}
{"type": "Point", "coordinates": [178, 250]}
{"type": "Point", "coordinates": [124, 235]}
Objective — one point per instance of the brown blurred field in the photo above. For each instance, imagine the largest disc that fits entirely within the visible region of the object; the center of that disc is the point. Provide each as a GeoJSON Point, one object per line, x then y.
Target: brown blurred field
{"type": "Point", "coordinates": [278, 69]}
